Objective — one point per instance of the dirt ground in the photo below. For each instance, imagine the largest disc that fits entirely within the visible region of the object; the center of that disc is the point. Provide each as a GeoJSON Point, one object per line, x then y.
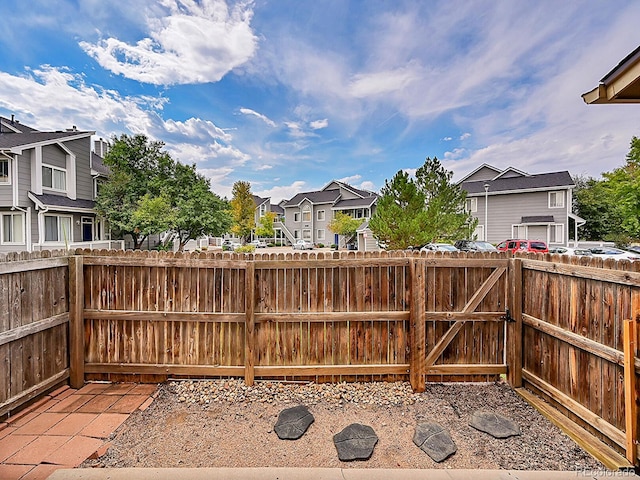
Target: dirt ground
{"type": "Point", "coordinates": [180, 429]}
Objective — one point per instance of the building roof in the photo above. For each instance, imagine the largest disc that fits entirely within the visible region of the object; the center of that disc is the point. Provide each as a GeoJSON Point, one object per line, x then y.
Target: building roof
{"type": "Point", "coordinates": [509, 184]}
{"type": "Point", "coordinates": [61, 202]}
{"type": "Point", "coordinates": [97, 165]}
{"type": "Point", "coordinates": [14, 134]}
{"type": "Point", "coordinates": [355, 203]}
{"type": "Point", "coordinates": [620, 85]}
{"type": "Point", "coordinates": [258, 200]}
{"type": "Point", "coordinates": [321, 196]}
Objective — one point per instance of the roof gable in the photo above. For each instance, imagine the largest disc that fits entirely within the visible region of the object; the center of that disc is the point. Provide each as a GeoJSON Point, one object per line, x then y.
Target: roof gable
{"type": "Point", "coordinates": [510, 173]}
{"type": "Point", "coordinates": [483, 172]}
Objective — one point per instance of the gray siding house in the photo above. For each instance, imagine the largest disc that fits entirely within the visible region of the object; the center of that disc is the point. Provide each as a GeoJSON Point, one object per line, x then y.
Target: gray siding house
{"type": "Point", "coordinates": [514, 204]}
{"type": "Point", "coordinates": [307, 215]}
{"type": "Point", "coordinates": [48, 184]}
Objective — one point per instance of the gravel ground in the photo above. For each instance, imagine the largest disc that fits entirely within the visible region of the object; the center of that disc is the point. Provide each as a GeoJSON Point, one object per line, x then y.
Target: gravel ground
{"type": "Point", "coordinates": [224, 423]}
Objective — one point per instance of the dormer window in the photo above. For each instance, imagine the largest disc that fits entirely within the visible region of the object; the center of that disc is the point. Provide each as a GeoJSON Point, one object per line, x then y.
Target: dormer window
{"type": "Point", "coordinates": [5, 178]}
{"type": "Point", "coordinates": [54, 178]}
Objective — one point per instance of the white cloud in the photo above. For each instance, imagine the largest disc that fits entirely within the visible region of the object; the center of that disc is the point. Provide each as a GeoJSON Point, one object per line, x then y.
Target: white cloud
{"type": "Point", "coordinates": [264, 167]}
{"type": "Point", "coordinates": [367, 185]}
{"type": "Point", "coordinates": [46, 96]}
{"type": "Point", "coordinates": [383, 82]}
{"type": "Point", "coordinates": [264, 118]}
{"type": "Point", "coordinates": [196, 42]}
{"type": "Point", "coordinates": [279, 193]}
{"type": "Point", "coordinates": [318, 124]}
{"type": "Point", "coordinates": [196, 128]}
{"type": "Point", "coordinates": [447, 139]}
{"type": "Point", "coordinates": [350, 180]}
{"type": "Point", "coordinates": [465, 135]}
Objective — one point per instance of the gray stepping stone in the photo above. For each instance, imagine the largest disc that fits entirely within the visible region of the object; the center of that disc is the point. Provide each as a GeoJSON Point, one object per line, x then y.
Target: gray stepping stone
{"type": "Point", "coordinates": [293, 422]}
{"type": "Point", "coordinates": [355, 442]}
{"type": "Point", "coordinates": [433, 440]}
{"type": "Point", "coordinates": [494, 424]}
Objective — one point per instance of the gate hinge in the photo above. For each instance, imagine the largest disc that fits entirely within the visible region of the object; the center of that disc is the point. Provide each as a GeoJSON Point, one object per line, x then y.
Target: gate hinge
{"type": "Point", "coordinates": [507, 316]}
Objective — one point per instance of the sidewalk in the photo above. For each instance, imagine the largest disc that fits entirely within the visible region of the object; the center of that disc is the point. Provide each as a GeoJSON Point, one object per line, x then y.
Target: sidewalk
{"type": "Point", "coordinates": [66, 427]}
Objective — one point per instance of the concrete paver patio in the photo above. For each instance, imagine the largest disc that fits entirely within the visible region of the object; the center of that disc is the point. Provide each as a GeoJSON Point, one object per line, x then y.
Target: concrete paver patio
{"type": "Point", "coordinates": [66, 427]}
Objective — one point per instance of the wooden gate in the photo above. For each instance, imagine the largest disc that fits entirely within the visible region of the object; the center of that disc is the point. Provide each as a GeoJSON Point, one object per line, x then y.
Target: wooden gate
{"type": "Point", "coordinates": [460, 328]}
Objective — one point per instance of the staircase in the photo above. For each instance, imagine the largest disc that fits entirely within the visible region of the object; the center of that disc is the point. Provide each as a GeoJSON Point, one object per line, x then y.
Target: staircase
{"type": "Point", "coordinates": [286, 231]}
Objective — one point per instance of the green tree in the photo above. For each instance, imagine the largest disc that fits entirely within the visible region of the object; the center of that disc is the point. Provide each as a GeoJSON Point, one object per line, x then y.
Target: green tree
{"type": "Point", "coordinates": [242, 210]}
{"type": "Point", "coordinates": [149, 193]}
{"type": "Point", "coordinates": [415, 212]}
{"type": "Point", "coordinates": [399, 213]}
{"type": "Point", "coordinates": [624, 185]}
{"type": "Point", "coordinates": [264, 229]}
{"type": "Point", "coordinates": [594, 201]}
{"type": "Point", "coordinates": [138, 167]}
{"type": "Point", "coordinates": [446, 218]}
{"type": "Point", "coordinates": [197, 211]}
{"type": "Point", "coordinates": [345, 225]}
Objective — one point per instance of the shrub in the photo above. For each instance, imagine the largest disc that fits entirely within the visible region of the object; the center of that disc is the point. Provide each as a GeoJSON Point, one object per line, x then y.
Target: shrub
{"type": "Point", "coordinates": [245, 249]}
{"type": "Point", "coordinates": [321, 245]}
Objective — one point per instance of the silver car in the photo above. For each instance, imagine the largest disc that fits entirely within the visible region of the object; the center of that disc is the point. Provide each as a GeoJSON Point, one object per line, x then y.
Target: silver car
{"type": "Point", "coordinates": [303, 245]}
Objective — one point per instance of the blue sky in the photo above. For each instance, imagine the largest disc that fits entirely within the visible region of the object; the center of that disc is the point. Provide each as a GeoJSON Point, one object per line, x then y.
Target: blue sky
{"type": "Point", "coordinates": [290, 94]}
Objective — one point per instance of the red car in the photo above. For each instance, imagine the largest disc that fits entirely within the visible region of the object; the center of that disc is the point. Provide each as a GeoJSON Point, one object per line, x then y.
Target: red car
{"type": "Point", "coordinates": [518, 245]}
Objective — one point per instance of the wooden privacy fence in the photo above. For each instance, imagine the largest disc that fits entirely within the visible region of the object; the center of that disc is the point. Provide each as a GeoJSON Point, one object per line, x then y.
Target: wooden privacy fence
{"type": "Point", "coordinates": [336, 316]}
{"type": "Point", "coordinates": [34, 316]}
{"type": "Point", "coordinates": [566, 329]}
{"type": "Point", "coordinates": [580, 342]}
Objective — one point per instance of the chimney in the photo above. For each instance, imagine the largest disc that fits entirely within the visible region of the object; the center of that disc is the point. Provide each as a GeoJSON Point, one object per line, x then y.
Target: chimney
{"type": "Point", "coordinates": [12, 118]}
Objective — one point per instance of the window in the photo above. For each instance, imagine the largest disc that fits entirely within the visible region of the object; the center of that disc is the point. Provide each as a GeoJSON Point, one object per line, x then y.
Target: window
{"type": "Point", "coordinates": [57, 229]}
{"type": "Point", "coordinates": [97, 185]}
{"type": "Point", "coordinates": [306, 214]}
{"type": "Point", "coordinates": [54, 178]}
{"type": "Point", "coordinates": [306, 234]}
{"type": "Point", "coordinates": [519, 231]}
{"type": "Point", "coordinates": [4, 171]}
{"type": "Point", "coordinates": [263, 209]}
{"type": "Point", "coordinates": [320, 215]}
{"type": "Point", "coordinates": [471, 205]}
{"type": "Point", "coordinates": [556, 233]}
{"type": "Point", "coordinates": [320, 234]}
{"type": "Point", "coordinates": [296, 234]}
{"type": "Point", "coordinates": [556, 199]}
{"type": "Point", "coordinates": [12, 228]}
{"type": "Point", "coordinates": [296, 216]}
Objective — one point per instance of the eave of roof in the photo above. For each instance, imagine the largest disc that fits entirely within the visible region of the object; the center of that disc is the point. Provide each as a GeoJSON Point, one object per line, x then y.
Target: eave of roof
{"type": "Point", "coordinates": [620, 85]}
{"type": "Point", "coordinates": [542, 181]}
{"type": "Point", "coordinates": [17, 142]}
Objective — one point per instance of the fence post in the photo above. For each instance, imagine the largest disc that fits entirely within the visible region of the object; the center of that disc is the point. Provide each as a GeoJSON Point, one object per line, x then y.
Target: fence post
{"type": "Point", "coordinates": [249, 330]}
{"type": "Point", "coordinates": [76, 321]}
{"type": "Point", "coordinates": [417, 327]}
{"type": "Point", "coordinates": [630, 406]}
{"type": "Point", "coordinates": [514, 327]}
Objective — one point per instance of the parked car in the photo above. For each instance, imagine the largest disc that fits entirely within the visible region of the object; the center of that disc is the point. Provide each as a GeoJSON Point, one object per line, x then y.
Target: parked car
{"type": "Point", "coordinates": [303, 245]}
{"type": "Point", "coordinates": [584, 252]}
{"type": "Point", "coordinates": [439, 247]}
{"type": "Point", "coordinates": [634, 249]}
{"type": "Point", "coordinates": [617, 253]}
{"type": "Point", "coordinates": [474, 246]}
{"type": "Point", "coordinates": [522, 245]}
{"type": "Point", "coordinates": [230, 245]}
{"type": "Point", "coordinates": [258, 243]}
